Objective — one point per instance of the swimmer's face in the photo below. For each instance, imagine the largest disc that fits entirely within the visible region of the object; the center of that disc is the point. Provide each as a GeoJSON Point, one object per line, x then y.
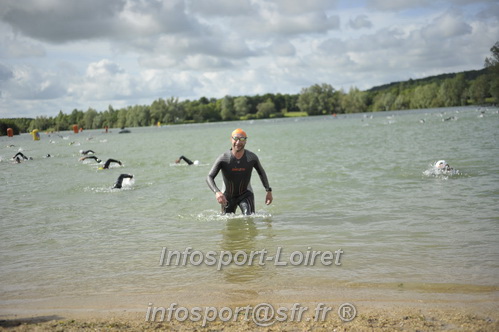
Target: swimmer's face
{"type": "Point", "coordinates": [440, 164]}
{"type": "Point", "coordinates": [238, 142]}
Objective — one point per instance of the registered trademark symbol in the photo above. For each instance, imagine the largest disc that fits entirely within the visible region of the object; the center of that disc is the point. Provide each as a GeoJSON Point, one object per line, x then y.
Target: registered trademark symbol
{"type": "Point", "coordinates": [347, 312]}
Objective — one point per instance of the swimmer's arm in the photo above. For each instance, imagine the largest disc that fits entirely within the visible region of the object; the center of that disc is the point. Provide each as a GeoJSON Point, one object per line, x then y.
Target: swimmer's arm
{"type": "Point", "coordinates": [265, 182]}
{"type": "Point", "coordinates": [210, 180]}
{"type": "Point", "coordinates": [263, 175]}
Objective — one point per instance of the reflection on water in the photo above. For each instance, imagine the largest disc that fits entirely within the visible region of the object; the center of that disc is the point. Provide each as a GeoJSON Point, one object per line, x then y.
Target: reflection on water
{"type": "Point", "coordinates": [237, 237]}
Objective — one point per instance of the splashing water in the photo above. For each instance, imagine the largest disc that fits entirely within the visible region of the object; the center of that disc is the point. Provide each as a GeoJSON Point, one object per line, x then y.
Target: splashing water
{"type": "Point", "coordinates": [435, 171]}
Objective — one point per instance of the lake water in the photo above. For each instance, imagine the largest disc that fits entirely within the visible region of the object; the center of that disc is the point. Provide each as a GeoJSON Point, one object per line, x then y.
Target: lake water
{"type": "Point", "coordinates": [353, 183]}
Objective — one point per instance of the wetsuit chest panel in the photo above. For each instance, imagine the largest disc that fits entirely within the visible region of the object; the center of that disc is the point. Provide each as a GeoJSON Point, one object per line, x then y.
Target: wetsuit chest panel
{"type": "Point", "coordinates": [237, 174]}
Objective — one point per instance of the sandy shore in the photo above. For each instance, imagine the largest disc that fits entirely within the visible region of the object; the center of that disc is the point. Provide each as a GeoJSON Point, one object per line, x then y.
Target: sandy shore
{"type": "Point", "coordinates": [374, 307]}
{"type": "Point", "coordinates": [370, 316]}
{"type": "Point", "coordinates": [389, 319]}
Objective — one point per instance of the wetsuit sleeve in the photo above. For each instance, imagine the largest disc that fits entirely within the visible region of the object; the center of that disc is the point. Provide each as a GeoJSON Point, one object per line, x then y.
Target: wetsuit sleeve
{"type": "Point", "coordinates": [210, 179]}
{"type": "Point", "coordinates": [119, 182]}
{"type": "Point", "coordinates": [262, 174]}
{"type": "Point", "coordinates": [187, 160]}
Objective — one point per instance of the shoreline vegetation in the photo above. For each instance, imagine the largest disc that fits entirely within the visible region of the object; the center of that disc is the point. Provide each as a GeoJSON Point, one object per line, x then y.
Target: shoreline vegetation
{"type": "Point", "coordinates": [473, 87]}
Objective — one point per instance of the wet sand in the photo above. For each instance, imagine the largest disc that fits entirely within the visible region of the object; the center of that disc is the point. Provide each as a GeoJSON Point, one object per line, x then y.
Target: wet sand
{"type": "Point", "coordinates": [376, 310]}
{"type": "Point", "coordinates": [389, 318]}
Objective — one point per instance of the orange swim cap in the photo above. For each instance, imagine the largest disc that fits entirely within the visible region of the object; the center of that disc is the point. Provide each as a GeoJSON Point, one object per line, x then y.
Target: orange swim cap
{"type": "Point", "coordinates": [238, 131]}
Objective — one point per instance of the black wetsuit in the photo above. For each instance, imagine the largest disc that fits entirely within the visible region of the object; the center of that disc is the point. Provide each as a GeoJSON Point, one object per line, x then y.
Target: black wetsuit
{"type": "Point", "coordinates": [109, 161]}
{"type": "Point", "coordinates": [119, 182]}
{"type": "Point", "coordinates": [187, 160]}
{"type": "Point", "coordinates": [87, 152]}
{"type": "Point", "coordinates": [20, 154]}
{"type": "Point", "coordinates": [91, 157]}
{"type": "Point", "coordinates": [236, 176]}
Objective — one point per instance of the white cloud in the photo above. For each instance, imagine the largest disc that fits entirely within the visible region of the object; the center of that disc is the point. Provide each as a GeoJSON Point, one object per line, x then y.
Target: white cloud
{"type": "Point", "coordinates": [12, 47]}
{"type": "Point", "coordinates": [221, 7]}
{"type": "Point", "coordinates": [360, 22]}
{"type": "Point", "coordinates": [297, 7]}
{"type": "Point", "coordinates": [104, 80]}
{"type": "Point", "coordinates": [281, 47]}
{"type": "Point", "coordinates": [28, 83]}
{"type": "Point", "coordinates": [61, 21]}
{"type": "Point", "coordinates": [448, 25]}
{"type": "Point", "coordinates": [397, 5]}
{"type": "Point", "coordinates": [65, 54]}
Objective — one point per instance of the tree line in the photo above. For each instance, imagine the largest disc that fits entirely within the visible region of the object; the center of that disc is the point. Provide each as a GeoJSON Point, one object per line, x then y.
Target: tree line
{"type": "Point", "coordinates": [476, 87]}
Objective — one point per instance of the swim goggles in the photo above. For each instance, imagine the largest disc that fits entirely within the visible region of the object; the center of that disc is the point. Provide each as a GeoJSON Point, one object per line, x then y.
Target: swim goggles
{"type": "Point", "coordinates": [242, 139]}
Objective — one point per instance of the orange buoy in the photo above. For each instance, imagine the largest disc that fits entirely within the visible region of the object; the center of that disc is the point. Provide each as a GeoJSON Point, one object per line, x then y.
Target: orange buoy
{"type": "Point", "coordinates": [75, 129]}
{"type": "Point", "coordinates": [10, 132]}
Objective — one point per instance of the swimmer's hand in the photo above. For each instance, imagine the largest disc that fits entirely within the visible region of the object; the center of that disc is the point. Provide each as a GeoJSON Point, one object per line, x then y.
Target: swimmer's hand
{"type": "Point", "coordinates": [221, 198]}
{"type": "Point", "coordinates": [268, 198]}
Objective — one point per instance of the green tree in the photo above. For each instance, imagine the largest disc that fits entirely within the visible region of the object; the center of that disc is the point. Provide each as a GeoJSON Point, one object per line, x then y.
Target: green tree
{"type": "Point", "coordinates": [110, 118]}
{"type": "Point", "coordinates": [493, 60]}
{"type": "Point", "coordinates": [318, 99]}
{"type": "Point", "coordinates": [492, 64]}
{"type": "Point", "coordinates": [265, 109]}
{"type": "Point", "coordinates": [6, 124]}
{"type": "Point", "coordinates": [98, 121]}
{"type": "Point", "coordinates": [480, 89]}
{"type": "Point", "coordinates": [241, 107]}
{"type": "Point", "coordinates": [354, 101]}
{"type": "Point", "coordinates": [41, 123]}
{"type": "Point", "coordinates": [88, 118]}
{"type": "Point", "coordinates": [121, 118]}
{"type": "Point", "coordinates": [453, 91]}
{"type": "Point", "coordinates": [384, 101]}
{"type": "Point", "coordinates": [61, 122]}
{"type": "Point", "coordinates": [158, 110]}
{"type": "Point", "coordinates": [227, 108]}
{"type": "Point", "coordinates": [402, 101]}
{"type": "Point", "coordinates": [76, 117]}
{"type": "Point", "coordinates": [174, 111]}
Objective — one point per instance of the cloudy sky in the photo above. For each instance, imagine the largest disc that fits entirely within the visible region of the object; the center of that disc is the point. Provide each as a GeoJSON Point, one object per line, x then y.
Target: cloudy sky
{"type": "Point", "coordinates": [65, 54]}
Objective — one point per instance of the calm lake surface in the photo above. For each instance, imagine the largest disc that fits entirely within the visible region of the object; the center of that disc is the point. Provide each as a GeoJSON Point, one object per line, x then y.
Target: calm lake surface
{"type": "Point", "coordinates": [355, 183]}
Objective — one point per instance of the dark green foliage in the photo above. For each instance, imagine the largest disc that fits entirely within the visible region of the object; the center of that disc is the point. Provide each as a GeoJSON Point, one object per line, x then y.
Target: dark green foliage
{"type": "Point", "coordinates": [8, 123]}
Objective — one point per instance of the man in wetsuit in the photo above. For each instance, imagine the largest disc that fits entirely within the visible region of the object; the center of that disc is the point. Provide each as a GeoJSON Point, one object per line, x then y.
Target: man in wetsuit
{"type": "Point", "coordinates": [236, 166]}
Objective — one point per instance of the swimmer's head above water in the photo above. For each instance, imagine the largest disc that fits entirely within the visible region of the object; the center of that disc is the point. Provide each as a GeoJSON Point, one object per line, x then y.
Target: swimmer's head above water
{"type": "Point", "coordinates": [238, 132]}
{"type": "Point", "coordinates": [440, 164]}
{"type": "Point", "coordinates": [443, 165]}
{"type": "Point", "coordinates": [239, 139]}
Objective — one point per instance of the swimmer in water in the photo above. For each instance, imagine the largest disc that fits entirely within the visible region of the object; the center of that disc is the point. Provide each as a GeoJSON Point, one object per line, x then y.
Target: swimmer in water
{"type": "Point", "coordinates": [237, 165]}
{"type": "Point", "coordinates": [20, 154]}
{"type": "Point", "coordinates": [91, 157]}
{"type": "Point", "coordinates": [187, 160]}
{"type": "Point", "coordinates": [119, 182]}
{"type": "Point", "coordinates": [109, 161]}
{"type": "Point", "coordinates": [87, 152]}
{"type": "Point", "coordinates": [443, 166]}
